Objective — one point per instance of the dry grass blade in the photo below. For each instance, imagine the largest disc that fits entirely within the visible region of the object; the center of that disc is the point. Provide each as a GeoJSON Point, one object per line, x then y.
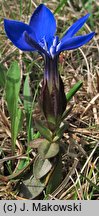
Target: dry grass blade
{"type": "Point", "coordinates": [6, 127]}
{"type": "Point", "coordinates": [82, 170]}
{"type": "Point", "coordinates": [90, 104]}
{"type": "Point", "coordinates": [9, 158]}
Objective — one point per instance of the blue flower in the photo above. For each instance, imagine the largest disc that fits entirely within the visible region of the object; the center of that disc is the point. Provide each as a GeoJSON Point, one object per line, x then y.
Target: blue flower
{"type": "Point", "coordinates": [39, 34]}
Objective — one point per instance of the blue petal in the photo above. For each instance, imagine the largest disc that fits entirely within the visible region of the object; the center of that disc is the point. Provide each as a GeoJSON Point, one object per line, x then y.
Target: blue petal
{"type": "Point", "coordinates": [43, 23]}
{"type": "Point", "coordinates": [75, 27]}
{"type": "Point", "coordinates": [34, 44]}
{"type": "Point", "coordinates": [75, 42]}
{"type": "Point", "coordinates": [15, 32]}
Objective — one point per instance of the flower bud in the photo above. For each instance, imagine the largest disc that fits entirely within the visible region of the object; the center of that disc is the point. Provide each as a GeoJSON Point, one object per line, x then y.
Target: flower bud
{"type": "Point", "coordinates": [52, 98]}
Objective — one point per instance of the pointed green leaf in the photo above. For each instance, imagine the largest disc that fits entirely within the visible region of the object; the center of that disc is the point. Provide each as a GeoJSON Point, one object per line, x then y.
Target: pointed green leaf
{"type": "Point", "coordinates": [48, 150]}
{"type": "Point", "coordinates": [91, 183]}
{"type": "Point", "coordinates": [22, 164]}
{"type": "Point", "coordinates": [28, 108]}
{"type": "Point", "coordinates": [60, 132]}
{"type": "Point", "coordinates": [56, 177]}
{"type": "Point", "coordinates": [18, 122]}
{"type": "Point", "coordinates": [27, 95]}
{"type": "Point", "coordinates": [12, 88]}
{"type": "Point", "coordinates": [73, 90]}
{"type": "Point", "coordinates": [12, 96]}
{"type": "Point", "coordinates": [45, 132]}
{"type": "Point", "coordinates": [61, 4]}
{"type": "Point", "coordinates": [41, 167]}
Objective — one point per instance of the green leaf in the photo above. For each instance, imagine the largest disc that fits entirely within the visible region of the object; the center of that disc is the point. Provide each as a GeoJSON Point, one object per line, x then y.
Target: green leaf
{"type": "Point", "coordinates": [3, 72]}
{"type": "Point", "coordinates": [91, 183]}
{"type": "Point", "coordinates": [28, 108]}
{"type": "Point", "coordinates": [12, 88]}
{"type": "Point", "coordinates": [41, 167]}
{"type": "Point", "coordinates": [48, 150]}
{"type": "Point", "coordinates": [22, 164]}
{"type": "Point", "coordinates": [73, 90]}
{"type": "Point", "coordinates": [18, 122]}
{"type": "Point", "coordinates": [45, 132]}
{"type": "Point", "coordinates": [61, 4]}
{"type": "Point", "coordinates": [12, 96]}
{"type": "Point", "coordinates": [36, 142]}
{"type": "Point", "coordinates": [21, 168]}
{"type": "Point", "coordinates": [56, 176]}
{"type": "Point", "coordinates": [27, 95]}
{"type": "Point", "coordinates": [36, 135]}
{"type": "Point", "coordinates": [60, 132]}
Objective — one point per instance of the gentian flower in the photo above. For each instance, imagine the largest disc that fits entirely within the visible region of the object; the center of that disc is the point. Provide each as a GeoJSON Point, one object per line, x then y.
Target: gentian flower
{"type": "Point", "coordinates": [39, 35]}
